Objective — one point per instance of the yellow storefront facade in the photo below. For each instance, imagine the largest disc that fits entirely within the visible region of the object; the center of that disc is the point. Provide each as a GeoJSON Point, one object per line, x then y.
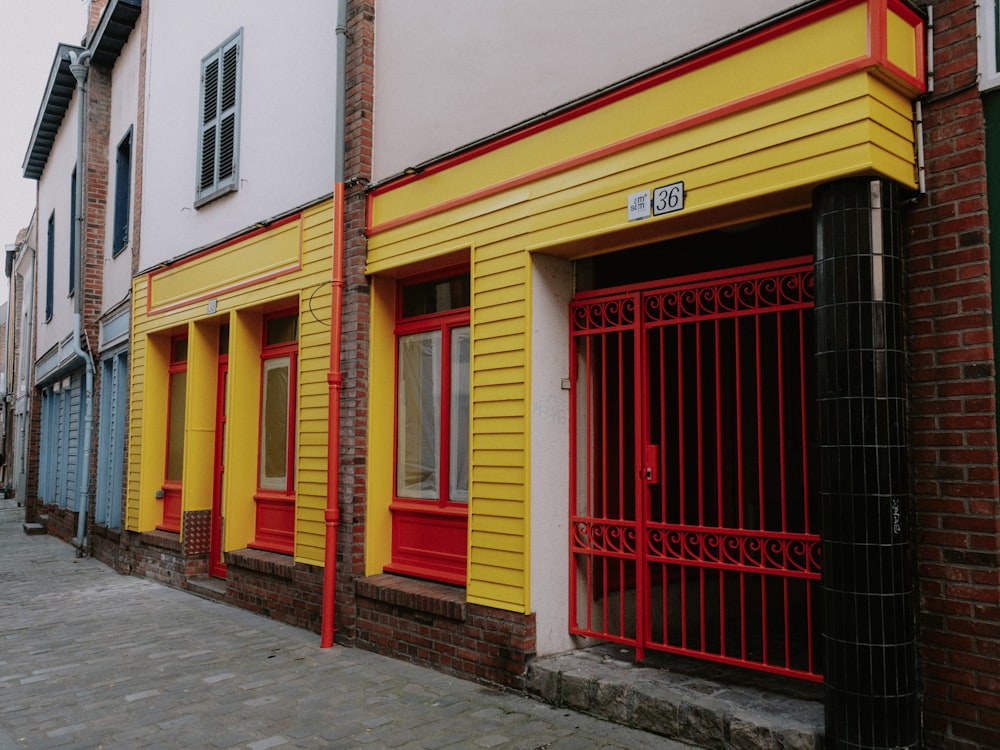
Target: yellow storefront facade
{"type": "Point", "coordinates": [229, 403]}
{"type": "Point", "coordinates": [745, 132]}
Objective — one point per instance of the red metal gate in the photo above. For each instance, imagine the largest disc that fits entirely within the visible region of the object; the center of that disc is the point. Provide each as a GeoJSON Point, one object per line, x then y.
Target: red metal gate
{"type": "Point", "coordinates": [691, 524]}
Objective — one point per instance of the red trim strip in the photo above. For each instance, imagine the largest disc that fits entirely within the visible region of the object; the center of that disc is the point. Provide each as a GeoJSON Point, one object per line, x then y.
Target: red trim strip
{"type": "Point", "coordinates": [748, 102]}
{"type": "Point", "coordinates": [877, 10]}
{"type": "Point", "coordinates": [623, 92]}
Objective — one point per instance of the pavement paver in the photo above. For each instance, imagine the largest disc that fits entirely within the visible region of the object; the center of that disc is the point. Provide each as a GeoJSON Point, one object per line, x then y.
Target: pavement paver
{"type": "Point", "coordinates": [93, 659]}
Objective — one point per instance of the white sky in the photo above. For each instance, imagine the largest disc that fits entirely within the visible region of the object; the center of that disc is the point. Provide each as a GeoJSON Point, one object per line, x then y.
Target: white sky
{"type": "Point", "coordinates": [29, 33]}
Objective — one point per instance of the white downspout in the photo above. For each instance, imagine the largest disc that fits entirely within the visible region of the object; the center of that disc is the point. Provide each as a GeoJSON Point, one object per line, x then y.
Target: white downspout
{"type": "Point", "coordinates": [79, 67]}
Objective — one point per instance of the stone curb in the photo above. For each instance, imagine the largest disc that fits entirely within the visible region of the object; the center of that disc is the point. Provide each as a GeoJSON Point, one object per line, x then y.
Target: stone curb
{"type": "Point", "coordinates": [691, 709]}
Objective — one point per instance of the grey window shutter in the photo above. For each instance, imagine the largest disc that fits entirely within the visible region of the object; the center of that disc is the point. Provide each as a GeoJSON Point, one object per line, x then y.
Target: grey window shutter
{"type": "Point", "coordinates": [219, 124]}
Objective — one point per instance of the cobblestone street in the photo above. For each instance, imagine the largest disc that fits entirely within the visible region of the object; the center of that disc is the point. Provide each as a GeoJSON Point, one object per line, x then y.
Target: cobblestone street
{"type": "Point", "coordinates": [92, 659]}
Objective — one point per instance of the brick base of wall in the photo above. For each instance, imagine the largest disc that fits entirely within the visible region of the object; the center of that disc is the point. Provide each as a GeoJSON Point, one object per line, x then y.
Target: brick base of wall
{"type": "Point", "coordinates": [276, 586]}
{"type": "Point", "coordinates": [432, 625]}
{"type": "Point", "coordinates": [59, 522]}
{"type": "Point", "coordinates": [158, 555]}
{"type": "Point", "coordinates": [105, 545]}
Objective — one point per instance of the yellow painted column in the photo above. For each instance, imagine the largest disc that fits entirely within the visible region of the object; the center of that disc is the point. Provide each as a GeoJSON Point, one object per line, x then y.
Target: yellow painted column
{"type": "Point", "coordinates": [199, 418]}
{"type": "Point", "coordinates": [243, 428]}
{"type": "Point", "coordinates": [155, 396]}
{"type": "Point", "coordinates": [381, 421]}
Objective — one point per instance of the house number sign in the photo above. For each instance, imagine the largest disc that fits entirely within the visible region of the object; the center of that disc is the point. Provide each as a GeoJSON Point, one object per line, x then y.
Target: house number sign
{"type": "Point", "coordinates": [666, 199]}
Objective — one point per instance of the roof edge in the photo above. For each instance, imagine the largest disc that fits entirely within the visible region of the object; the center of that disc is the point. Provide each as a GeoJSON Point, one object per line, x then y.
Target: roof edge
{"type": "Point", "coordinates": [51, 110]}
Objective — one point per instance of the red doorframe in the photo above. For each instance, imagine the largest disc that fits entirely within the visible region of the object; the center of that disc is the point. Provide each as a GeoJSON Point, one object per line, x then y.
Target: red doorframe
{"type": "Point", "coordinates": [690, 526]}
{"type": "Point", "coordinates": [216, 556]}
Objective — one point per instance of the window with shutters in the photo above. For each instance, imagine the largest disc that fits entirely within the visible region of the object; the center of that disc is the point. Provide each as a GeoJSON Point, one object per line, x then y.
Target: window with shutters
{"type": "Point", "coordinates": [989, 44]}
{"type": "Point", "coordinates": [219, 121]}
{"type": "Point", "coordinates": [73, 219]}
{"type": "Point", "coordinates": [123, 193]}
{"type": "Point", "coordinates": [50, 261]}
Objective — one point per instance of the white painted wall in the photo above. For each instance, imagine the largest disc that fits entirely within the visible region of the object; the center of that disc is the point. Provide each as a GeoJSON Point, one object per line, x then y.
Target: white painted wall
{"type": "Point", "coordinates": [551, 291]}
{"type": "Point", "coordinates": [448, 72]}
{"type": "Point", "coordinates": [124, 108]}
{"type": "Point", "coordinates": [54, 195]}
{"type": "Point", "coordinates": [286, 134]}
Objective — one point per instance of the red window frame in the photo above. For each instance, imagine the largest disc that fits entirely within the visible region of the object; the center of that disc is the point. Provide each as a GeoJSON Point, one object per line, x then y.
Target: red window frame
{"type": "Point", "coordinates": [172, 486]}
{"type": "Point", "coordinates": [275, 507]}
{"type": "Point", "coordinates": [430, 535]}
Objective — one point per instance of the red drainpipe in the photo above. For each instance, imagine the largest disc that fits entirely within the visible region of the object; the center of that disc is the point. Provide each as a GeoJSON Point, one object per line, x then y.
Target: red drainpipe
{"type": "Point", "coordinates": [335, 380]}
{"type": "Point", "coordinates": [335, 377]}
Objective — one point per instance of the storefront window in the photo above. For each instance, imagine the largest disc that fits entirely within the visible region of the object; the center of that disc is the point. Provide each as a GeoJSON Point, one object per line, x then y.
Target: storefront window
{"type": "Point", "coordinates": [431, 490]}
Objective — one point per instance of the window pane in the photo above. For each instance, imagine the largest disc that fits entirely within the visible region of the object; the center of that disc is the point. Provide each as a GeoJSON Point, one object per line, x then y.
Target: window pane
{"type": "Point", "coordinates": [175, 426]}
{"type": "Point", "coordinates": [439, 295]}
{"type": "Point", "coordinates": [418, 404]}
{"type": "Point", "coordinates": [283, 330]}
{"type": "Point", "coordinates": [179, 351]}
{"type": "Point", "coordinates": [224, 339]}
{"type": "Point", "coordinates": [274, 425]}
{"type": "Point", "coordinates": [458, 456]}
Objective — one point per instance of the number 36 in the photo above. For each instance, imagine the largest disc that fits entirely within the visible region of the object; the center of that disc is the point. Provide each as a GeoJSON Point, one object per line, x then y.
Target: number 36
{"type": "Point", "coordinates": [668, 198]}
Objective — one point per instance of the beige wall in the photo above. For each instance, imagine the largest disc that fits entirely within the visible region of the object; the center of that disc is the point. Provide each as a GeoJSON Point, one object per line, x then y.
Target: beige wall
{"type": "Point", "coordinates": [453, 71]}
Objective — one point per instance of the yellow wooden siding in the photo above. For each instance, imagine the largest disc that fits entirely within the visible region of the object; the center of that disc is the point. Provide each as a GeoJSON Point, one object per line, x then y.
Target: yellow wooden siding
{"type": "Point", "coordinates": [778, 151]}
{"type": "Point", "coordinates": [137, 358]}
{"type": "Point", "coordinates": [232, 265]}
{"type": "Point", "coordinates": [902, 43]}
{"type": "Point", "coordinates": [803, 52]}
{"type": "Point", "coordinates": [750, 134]}
{"type": "Point", "coordinates": [182, 307]}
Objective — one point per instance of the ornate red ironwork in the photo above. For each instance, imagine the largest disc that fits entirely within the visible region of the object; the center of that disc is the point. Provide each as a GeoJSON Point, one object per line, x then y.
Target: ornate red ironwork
{"type": "Point", "coordinates": [734, 549]}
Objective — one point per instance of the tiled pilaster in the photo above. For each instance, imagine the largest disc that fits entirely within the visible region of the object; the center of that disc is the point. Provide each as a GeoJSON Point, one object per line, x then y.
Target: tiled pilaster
{"type": "Point", "coordinates": [868, 586]}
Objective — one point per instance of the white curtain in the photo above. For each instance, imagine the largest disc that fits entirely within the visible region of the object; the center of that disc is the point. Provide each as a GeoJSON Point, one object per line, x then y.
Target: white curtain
{"type": "Point", "coordinates": [418, 417]}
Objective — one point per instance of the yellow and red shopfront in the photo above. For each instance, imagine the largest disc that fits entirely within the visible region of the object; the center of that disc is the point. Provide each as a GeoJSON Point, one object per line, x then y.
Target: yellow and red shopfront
{"type": "Point", "coordinates": [644, 352]}
{"type": "Point", "coordinates": [229, 402]}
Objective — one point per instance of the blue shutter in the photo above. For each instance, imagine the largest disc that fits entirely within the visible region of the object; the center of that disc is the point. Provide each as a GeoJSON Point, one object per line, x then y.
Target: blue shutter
{"type": "Point", "coordinates": [46, 451]}
{"type": "Point", "coordinates": [111, 444]}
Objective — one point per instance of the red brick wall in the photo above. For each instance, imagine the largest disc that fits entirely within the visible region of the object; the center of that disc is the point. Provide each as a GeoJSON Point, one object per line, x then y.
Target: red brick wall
{"type": "Point", "coordinates": [158, 556]}
{"type": "Point", "coordinates": [32, 504]}
{"type": "Point", "coordinates": [59, 522]}
{"type": "Point", "coordinates": [432, 625]}
{"type": "Point", "coordinates": [94, 15]}
{"type": "Point", "coordinates": [953, 404]}
{"type": "Point", "coordinates": [275, 586]}
{"type": "Point", "coordinates": [105, 546]}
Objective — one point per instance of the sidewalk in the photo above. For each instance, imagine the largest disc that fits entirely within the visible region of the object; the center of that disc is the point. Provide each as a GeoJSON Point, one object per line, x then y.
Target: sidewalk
{"type": "Point", "coordinates": [92, 659]}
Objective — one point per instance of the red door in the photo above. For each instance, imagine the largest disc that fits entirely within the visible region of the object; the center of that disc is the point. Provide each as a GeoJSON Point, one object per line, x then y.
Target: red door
{"type": "Point", "coordinates": [216, 556]}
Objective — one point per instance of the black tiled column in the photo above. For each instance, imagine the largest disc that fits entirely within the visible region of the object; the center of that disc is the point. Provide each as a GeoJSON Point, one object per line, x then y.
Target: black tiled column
{"type": "Point", "coordinates": [868, 586]}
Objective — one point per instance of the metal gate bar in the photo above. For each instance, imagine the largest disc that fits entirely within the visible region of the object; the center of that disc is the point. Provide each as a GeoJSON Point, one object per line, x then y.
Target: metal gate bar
{"type": "Point", "coordinates": [702, 542]}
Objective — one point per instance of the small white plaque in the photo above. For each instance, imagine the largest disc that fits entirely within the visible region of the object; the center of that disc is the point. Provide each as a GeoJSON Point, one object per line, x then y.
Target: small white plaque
{"type": "Point", "coordinates": [213, 305]}
{"type": "Point", "coordinates": [638, 205]}
{"type": "Point", "coordinates": [668, 198]}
